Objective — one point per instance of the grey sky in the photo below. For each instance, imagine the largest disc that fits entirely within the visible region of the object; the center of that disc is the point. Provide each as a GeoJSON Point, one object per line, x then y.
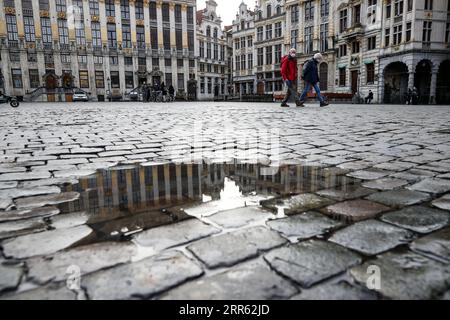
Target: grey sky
{"type": "Point", "coordinates": [227, 9]}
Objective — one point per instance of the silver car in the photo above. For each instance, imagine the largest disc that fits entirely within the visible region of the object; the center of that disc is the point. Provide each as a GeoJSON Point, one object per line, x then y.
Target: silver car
{"type": "Point", "coordinates": [80, 96]}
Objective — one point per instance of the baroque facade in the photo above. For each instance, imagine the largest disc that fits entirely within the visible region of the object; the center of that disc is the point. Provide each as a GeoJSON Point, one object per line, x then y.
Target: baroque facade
{"type": "Point", "coordinates": [386, 46]}
{"type": "Point", "coordinates": [212, 56]}
{"type": "Point", "coordinates": [105, 47]}
{"type": "Point", "coordinates": [109, 47]}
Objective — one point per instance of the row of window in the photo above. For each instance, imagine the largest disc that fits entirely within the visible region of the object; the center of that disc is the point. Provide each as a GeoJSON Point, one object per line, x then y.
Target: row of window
{"type": "Point", "coordinates": [370, 75]}
{"type": "Point", "coordinates": [212, 51]}
{"type": "Point", "coordinates": [269, 12]}
{"type": "Point", "coordinates": [309, 10]}
{"type": "Point", "coordinates": [277, 28]}
{"type": "Point", "coordinates": [208, 82]}
{"type": "Point", "coordinates": [271, 52]}
{"type": "Point", "coordinates": [98, 60]}
{"type": "Point", "coordinates": [243, 42]}
{"type": "Point", "coordinates": [110, 9]}
{"type": "Point", "coordinates": [80, 36]}
{"type": "Point", "coordinates": [208, 67]}
{"type": "Point", "coordinates": [113, 80]}
{"type": "Point", "coordinates": [308, 38]}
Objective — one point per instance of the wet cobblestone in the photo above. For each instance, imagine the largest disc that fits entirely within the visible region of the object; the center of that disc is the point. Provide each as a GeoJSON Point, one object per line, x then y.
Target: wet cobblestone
{"type": "Point", "coordinates": [398, 184]}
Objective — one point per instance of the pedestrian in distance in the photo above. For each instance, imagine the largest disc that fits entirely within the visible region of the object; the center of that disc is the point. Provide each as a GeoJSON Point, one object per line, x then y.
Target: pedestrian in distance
{"type": "Point", "coordinates": [289, 73]}
{"type": "Point", "coordinates": [171, 93]}
{"type": "Point", "coordinates": [164, 92]}
{"type": "Point", "coordinates": [369, 97]}
{"type": "Point", "coordinates": [310, 75]}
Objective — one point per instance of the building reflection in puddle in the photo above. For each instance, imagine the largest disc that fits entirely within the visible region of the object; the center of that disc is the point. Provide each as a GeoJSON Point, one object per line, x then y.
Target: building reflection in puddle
{"type": "Point", "coordinates": [126, 199]}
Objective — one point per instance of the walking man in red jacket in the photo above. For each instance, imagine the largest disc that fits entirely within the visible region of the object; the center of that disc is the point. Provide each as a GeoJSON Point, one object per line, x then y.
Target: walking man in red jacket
{"type": "Point", "coordinates": [289, 73]}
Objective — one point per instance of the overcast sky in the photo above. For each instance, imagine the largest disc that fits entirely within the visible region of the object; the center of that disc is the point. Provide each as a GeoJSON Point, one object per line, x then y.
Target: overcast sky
{"type": "Point", "coordinates": [227, 9]}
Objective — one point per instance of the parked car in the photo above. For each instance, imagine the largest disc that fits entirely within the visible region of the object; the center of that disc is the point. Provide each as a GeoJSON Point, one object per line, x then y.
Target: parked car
{"type": "Point", "coordinates": [134, 95]}
{"type": "Point", "coordinates": [80, 96]}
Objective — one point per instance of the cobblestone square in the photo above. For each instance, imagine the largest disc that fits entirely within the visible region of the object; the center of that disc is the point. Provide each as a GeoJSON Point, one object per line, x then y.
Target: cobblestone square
{"type": "Point", "coordinates": [224, 200]}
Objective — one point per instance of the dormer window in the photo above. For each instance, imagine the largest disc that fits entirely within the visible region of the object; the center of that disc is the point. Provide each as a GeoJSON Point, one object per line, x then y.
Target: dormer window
{"type": "Point", "coordinates": [269, 11]}
{"type": "Point", "coordinates": [208, 31]}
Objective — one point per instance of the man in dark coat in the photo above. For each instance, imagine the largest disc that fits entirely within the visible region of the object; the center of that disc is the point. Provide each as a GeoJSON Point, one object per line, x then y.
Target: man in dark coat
{"type": "Point", "coordinates": [311, 78]}
{"type": "Point", "coordinates": [369, 97]}
{"type": "Point", "coordinates": [289, 73]}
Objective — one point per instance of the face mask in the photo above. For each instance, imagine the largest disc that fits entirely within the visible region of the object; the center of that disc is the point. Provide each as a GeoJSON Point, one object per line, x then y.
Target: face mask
{"type": "Point", "coordinates": [293, 55]}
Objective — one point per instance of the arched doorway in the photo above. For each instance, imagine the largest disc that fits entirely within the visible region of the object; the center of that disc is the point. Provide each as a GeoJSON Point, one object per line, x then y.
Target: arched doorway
{"type": "Point", "coordinates": [395, 82]}
{"type": "Point", "coordinates": [323, 76]}
{"type": "Point", "coordinates": [260, 87]}
{"type": "Point", "coordinates": [422, 80]}
{"type": "Point", "coordinates": [443, 83]}
{"type": "Point", "coordinates": [67, 81]}
{"type": "Point", "coordinates": [51, 83]}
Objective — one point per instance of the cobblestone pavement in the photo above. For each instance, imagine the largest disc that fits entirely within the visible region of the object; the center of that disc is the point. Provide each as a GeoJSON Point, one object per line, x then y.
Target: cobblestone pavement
{"type": "Point", "coordinates": [391, 223]}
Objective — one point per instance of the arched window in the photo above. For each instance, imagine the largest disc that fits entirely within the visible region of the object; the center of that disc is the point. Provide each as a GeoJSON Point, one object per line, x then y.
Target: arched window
{"type": "Point", "coordinates": [269, 11]}
{"type": "Point", "coordinates": [278, 10]}
{"type": "Point", "coordinates": [323, 76]}
{"type": "Point", "coordinates": [208, 31]}
{"type": "Point", "coordinates": [242, 25]}
{"type": "Point", "coordinates": [215, 33]}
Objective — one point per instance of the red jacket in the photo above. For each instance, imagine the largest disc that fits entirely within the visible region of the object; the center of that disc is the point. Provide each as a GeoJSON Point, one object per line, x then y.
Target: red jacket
{"type": "Point", "coordinates": [289, 68]}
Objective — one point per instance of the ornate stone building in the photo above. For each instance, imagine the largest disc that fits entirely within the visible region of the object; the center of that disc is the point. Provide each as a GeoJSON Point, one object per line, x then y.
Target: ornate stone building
{"type": "Point", "coordinates": [212, 56]}
{"type": "Point", "coordinates": [415, 50]}
{"type": "Point", "coordinates": [243, 37]}
{"type": "Point", "coordinates": [105, 47]}
{"type": "Point", "coordinates": [270, 30]}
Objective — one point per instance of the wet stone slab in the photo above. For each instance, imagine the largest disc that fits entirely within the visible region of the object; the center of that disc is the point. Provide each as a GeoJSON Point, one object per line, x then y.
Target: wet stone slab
{"type": "Point", "coordinates": [51, 292]}
{"type": "Point", "coordinates": [385, 184]}
{"type": "Point", "coordinates": [435, 245]}
{"type": "Point", "coordinates": [233, 247]}
{"type": "Point", "coordinates": [399, 198]}
{"type": "Point", "coordinates": [21, 227]}
{"type": "Point", "coordinates": [406, 275]}
{"type": "Point", "coordinates": [418, 218]}
{"type": "Point", "coordinates": [311, 261]}
{"type": "Point", "coordinates": [40, 201]}
{"type": "Point", "coordinates": [369, 174]}
{"type": "Point", "coordinates": [240, 217]}
{"type": "Point", "coordinates": [355, 210]}
{"type": "Point", "coordinates": [348, 192]}
{"type": "Point", "coordinates": [88, 258]}
{"type": "Point", "coordinates": [304, 225]}
{"type": "Point", "coordinates": [250, 282]}
{"type": "Point", "coordinates": [28, 192]}
{"type": "Point", "coordinates": [296, 204]}
{"type": "Point", "coordinates": [69, 220]}
{"type": "Point", "coordinates": [28, 213]}
{"type": "Point", "coordinates": [44, 243]}
{"type": "Point", "coordinates": [8, 185]}
{"type": "Point", "coordinates": [9, 276]}
{"type": "Point", "coordinates": [175, 234]}
{"type": "Point", "coordinates": [442, 203]}
{"type": "Point", "coordinates": [432, 185]}
{"type": "Point", "coordinates": [25, 176]}
{"type": "Point", "coordinates": [141, 279]}
{"type": "Point", "coordinates": [371, 237]}
{"type": "Point", "coordinates": [340, 290]}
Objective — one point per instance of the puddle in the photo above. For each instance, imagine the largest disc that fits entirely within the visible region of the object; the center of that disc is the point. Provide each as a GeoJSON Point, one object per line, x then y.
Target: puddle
{"type": "Point", "coordinates": [127, 199]}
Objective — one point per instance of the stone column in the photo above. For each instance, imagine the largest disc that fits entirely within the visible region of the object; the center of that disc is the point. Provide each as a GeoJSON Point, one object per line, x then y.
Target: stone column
{"type": "Point", "coordinates": [410, 79]}
{"type": "Point", "coordinates": [160, 25]}
{"type": "Point", "coordinates": [434, 73]}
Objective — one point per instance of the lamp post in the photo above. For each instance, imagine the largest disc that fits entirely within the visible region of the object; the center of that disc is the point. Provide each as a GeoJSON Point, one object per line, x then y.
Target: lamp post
{"type": "Point", "coordinates": [108, 93]}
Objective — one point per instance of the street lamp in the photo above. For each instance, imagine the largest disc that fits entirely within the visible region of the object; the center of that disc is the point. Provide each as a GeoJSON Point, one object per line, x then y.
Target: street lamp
{"type": "Point", "coordinates": [108, 93]}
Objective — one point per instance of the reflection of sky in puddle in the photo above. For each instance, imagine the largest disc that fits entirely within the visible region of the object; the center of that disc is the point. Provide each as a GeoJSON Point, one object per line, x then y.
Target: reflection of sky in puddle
{"type": "Point", "coordinates": [231, 197]}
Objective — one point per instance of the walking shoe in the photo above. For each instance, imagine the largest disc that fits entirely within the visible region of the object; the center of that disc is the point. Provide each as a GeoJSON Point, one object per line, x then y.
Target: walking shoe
{"type": "Point", "coordinates": [324, 104]}
{"type": "Point", "coordinates": [284, 105]}
{"type": "Point", "coordinates": [300, 103]}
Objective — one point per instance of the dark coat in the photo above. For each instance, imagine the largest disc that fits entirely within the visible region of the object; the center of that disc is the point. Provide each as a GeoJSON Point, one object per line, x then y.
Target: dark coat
{"type": "Point", "coordinates": [310, 72]}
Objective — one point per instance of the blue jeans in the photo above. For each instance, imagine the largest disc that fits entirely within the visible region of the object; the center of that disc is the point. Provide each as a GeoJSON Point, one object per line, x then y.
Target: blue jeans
{"type": "Point", "coordinates": [306, 90]}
